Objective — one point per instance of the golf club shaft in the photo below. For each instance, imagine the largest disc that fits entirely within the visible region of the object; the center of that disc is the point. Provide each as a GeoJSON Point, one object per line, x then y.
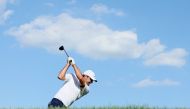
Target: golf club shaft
{"type": "Point", "coordinates": [66, 53]}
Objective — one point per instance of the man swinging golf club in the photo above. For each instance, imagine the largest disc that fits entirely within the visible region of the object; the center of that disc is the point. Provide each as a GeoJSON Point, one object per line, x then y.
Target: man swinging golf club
{"type": "Point", "coordinates": [74, 87]}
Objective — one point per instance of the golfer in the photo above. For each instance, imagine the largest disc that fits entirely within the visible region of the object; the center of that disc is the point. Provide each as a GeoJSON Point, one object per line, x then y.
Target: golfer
{"type": "Point", "coordinates": [75, 86]}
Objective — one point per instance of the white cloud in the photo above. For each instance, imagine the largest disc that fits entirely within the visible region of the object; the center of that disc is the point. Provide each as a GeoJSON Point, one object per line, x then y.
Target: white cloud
{"type": "Point", "coordinates": [90, 39]}
{"type": "Point", "coordinates": [84, 36]}
{"type": "Point", "coordinates": [149, 83]}
{"type": "Point", "coordinates": [4, 12]}
{"type": "Point", "coordinates": [5, 15]}
{"type": "Point", "coordinates": [152, 48]}
{"type": "Point", "coordinates": [101, 9]}
{"type": "Point", "coordinates": [174, 57]}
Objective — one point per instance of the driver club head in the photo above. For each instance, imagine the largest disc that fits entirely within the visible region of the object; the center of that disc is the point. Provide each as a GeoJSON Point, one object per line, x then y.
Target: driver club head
{"type": "Point", "coordinates": [61, 48]}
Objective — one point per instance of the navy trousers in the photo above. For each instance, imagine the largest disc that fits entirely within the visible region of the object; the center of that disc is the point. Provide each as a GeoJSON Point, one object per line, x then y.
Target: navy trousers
{"type": "Point", "coordinates": [56, 103]}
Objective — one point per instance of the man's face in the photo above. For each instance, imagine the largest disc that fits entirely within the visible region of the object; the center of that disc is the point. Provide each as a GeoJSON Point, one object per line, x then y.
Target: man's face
{"type": "Point", "coordinates": [88, 79]}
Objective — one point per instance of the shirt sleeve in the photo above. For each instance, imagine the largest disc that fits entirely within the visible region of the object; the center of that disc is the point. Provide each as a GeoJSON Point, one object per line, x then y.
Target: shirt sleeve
{"type": "Point", "coordinates": [68, 77]}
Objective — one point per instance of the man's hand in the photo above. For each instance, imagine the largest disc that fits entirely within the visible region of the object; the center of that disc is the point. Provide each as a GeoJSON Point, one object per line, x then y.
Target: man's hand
{"type": "Point", "coordinates": [71, 60]}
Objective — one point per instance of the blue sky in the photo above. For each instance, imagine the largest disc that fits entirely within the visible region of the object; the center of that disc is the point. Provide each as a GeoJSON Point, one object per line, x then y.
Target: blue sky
{"type": "Point", "coordinates": [139, 50]}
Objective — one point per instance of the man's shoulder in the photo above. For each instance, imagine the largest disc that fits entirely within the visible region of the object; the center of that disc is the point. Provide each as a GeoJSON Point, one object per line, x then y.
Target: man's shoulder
{"type": "Point", "coordinates": [68, 76]}
{"type": "Point", "coordinates": [71, 76]}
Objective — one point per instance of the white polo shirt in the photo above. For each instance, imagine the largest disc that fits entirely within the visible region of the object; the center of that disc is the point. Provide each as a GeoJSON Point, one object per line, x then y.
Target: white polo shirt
{"type": "Point", "coordinates": [71, 91]}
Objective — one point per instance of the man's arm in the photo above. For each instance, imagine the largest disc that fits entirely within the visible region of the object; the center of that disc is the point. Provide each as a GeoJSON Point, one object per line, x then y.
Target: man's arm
{"type": "Point", "coordinates": [77, 71]}
{"type": "Point", "coordinates": [62, 73]}
{"type": "Point", "coordinates": [79, 75]}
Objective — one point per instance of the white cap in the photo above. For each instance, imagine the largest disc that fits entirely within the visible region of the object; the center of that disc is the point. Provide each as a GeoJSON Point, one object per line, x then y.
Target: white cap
{"type": "Point", "coordinates": [91, 74]}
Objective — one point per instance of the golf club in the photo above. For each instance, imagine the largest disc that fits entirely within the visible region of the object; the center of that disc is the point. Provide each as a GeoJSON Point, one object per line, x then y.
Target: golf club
{"type": "Point", "coordinates": [61, 48]}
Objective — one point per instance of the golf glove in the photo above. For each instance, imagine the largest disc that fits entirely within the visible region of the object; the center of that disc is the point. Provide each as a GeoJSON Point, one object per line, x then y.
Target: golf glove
{"type": "Point", "coordinates": [71, 60]}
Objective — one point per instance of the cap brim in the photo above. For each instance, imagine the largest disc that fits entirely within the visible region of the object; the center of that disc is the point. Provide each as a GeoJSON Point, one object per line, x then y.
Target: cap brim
{"type": "Point", "coordinates": [95, 80]}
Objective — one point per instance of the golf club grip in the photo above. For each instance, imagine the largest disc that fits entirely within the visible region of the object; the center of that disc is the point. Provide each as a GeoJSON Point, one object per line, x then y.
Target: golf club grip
{"type": "Point", "coordinates": [70, 61]}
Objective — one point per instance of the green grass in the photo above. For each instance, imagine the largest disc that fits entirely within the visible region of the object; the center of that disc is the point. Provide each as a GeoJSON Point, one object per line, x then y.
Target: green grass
{"type": "Point", "coordinates": [106, 107]}
{"type": "Point", "coordinates": [130, 107]}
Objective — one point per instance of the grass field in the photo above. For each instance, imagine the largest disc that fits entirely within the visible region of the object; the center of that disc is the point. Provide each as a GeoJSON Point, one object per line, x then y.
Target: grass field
{"type": "Point", "coordinates": [130, 107]}
{"type": "Point", "coordinates": [104, 107]}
